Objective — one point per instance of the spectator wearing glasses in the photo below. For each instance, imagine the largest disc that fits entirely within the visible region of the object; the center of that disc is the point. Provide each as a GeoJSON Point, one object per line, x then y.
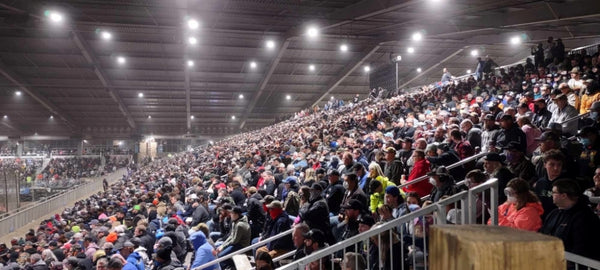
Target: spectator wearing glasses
{"type": "Point", "coordinates": [522, 209]}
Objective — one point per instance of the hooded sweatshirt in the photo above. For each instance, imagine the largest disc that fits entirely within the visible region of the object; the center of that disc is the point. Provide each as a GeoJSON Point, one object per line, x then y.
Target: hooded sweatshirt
{"type": "Point", "coordinates": [527, 218]}
{"type": "Point", "coordinates": [202, 251]}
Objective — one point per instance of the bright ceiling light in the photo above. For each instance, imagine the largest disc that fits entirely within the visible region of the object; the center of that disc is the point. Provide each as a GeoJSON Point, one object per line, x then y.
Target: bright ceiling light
{"type": "Point", "coordinates": [270, 44]}
{"type": "Point", "coordinates": [332, 98]}
{"type": "Point", "coordinates": [106, 35]}
{"type": "Point", "coordinates": [54, 16]}
{"type": "Point", "coordinates": [311, 67]}
{"type": "Point", "coordinates": [191, 117]}
{"type": "Point", "coordinates": [474, 53]}
{"type": "Point", "coordinates": [140, 95]}
{"type": "Point", "coordinates": [121, 60]}
{"type": "Point", "coordinates": [253, 64]}
{"type": "Point", "coordinates": [516, 40]}
{"type": "Point", "coordinates": [190, 63]}
{"type": "Point", "coordinates": [410, 50]}
{"type": "Point", "coordinates": [193, 24]}
{"type": "Point", "coordinates": [5, 116]}
{"type": "Point", "coordinates": [419, 70]}
{"type": "Point", "coordinates": [288, 97]}
{"type": "Point", "coordinates": [241, 96]}
{"type": "Point", "coordinates": [233, 117]}
{"type": "Point", "coordinates": [312, 32]}
{"type": "Point", "coordinates": [211, 142]}
{"type": "Point", "coordinates": [398, 58]}
{"type": "Point", "coordinates": [468, 71]}
{"type": "Point", "coordinates": [149, 116]}
{"type": "Point", "coordinates": [192, 40]}
{"type": "Point", "coordinates": [51, 116]}
{"type": "Point", "coordinates": [344, 48]}
{"type": "Point", "coordinates": [417, 36]}
{"type": "Point", "coordinates": [367, 68]}
{"type": "Point", "coordinates": [18, 93]}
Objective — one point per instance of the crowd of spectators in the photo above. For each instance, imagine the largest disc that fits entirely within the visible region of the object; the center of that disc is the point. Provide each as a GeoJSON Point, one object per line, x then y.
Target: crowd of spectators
{"type": "Point", "coordinates": [60, 172]}
{"type": "Point", "coordinates": [334, 173]}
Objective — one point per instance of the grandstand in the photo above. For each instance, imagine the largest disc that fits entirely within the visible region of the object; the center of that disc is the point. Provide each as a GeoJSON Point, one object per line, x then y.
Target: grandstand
{"type": "Point", "coordinates": [308, 134]}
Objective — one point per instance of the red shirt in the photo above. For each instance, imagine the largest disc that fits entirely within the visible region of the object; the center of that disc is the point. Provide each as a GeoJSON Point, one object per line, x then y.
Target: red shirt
{"type": "Point", "coordinates": [423, 188]}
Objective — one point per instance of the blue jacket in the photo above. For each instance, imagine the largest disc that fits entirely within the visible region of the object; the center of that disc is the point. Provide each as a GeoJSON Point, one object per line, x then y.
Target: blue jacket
{"type": "Point", "coordinates": [281, 224]}
{"type": "Point", "coordinates": [134, 262]}
{"type": "Point", "coordinates": [203, 251]}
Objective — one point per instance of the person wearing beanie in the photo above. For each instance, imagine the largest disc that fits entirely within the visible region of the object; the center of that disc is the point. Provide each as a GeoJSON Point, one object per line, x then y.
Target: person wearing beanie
{"type": "Point", "coordinates": [163, 260]}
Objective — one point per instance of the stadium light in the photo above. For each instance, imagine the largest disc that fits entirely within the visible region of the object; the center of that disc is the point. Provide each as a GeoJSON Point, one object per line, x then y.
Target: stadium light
{"type": "Point", "coordinates": [367, 68]}
{"type": "Point", "coordinates": [233, 117]}
{"type": "Point", "coordinates": [193, 24]}
{"type": "Point", "coordinates": [192, 117]}
{"type": "Point", "coordinates": [288, 97]}
{"type": "Point", "coordinates": [192, 40]}
{"type": "Point", "coordinates": [51, 116]}
{"type": "Point", "coordinates": [54, 16]}
{"type": "Point", "coordinates": [149, 116]}
{"type": "Point", "coordinates": [190, 63]}
{"type": "Point", "coordinates": [312, 32]}
{"type": "Point", "coordinates": [410, 50]}
{"type": "Point", "coordinates": [140, 95]}
{"type": "Point", "coordinates": [253, 64]}
{"type": "Point", "coordinates": [5, 116]}
{"type": "Point", "coordinates": [419, 70]}
{"type": "Point", "coordinates": [311, 67]}
{"type": "Point", "coordinates": [417, 36]}
{"type": "Point", "coordinates": [516, 40]}
{"type": "Point", "coordinates": [468, 71]}
{"type": "Point", "coordinates": [18, 93]}
{"type": "Point", "coordinates": [474, 53]}
{"type": "Point", "coordinates": [121, 60]}
{"type": "Point", "coordinates": [241, 96]}
{"type": "Point", "coordinates": [343, 48]}
{"type": "Point", "coordinates": [106, 35]}
{"type": "Point", "coordinates": [270, 44]}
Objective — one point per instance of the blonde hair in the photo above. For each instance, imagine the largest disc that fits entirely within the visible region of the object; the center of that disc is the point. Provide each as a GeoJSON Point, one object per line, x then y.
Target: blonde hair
{"type": "Point", "coordinates": [375, 167]}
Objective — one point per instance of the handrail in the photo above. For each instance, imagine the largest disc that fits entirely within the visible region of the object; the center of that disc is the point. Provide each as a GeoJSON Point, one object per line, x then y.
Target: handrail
{"type": "Point", "coordinates": [281, 257]}
{"type": "Point", "coordinates": [579, 116]}
{"type": "Point", "coordinates": [578, 259]}
{"type": "Point", "coordinates": [452, 166]}
{"type": "Point", "coordinates": [243, 250]}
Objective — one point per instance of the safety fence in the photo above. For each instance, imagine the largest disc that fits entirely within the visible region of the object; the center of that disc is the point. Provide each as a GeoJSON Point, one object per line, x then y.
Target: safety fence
{"type": "Point", "coordinates": [402, 242]}
{"type": "Point", "coordinates": [578, 262]}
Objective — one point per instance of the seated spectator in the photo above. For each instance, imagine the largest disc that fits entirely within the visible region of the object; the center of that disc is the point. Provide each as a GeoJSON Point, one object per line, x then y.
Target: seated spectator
{"type": "Point", "coordinates": [377, 186]}
{"type": "Point", "coordinates": [395, 200]}
{"type": "Point", "coordinates": [353, 261]}
{"type": "Point", "coordinates": [298, 239]}
{"type": "Point", "coordinates": [553, 163]}
{"type": "Point", "coordinates": [518, 164]}
{"type": "Point", "coordinates": [239, 237]}
{"type": "Point", "coordinates": [573, 221]}
{"type": "Point", "coordinates": [522, 209]}
{"type": "Point", "coordinates": [420, 169]}
{"type": "Point", "coordinates": [442, 182]}
{"type": "Point", "coordinates": [203, 251]}
{"type": "Point", "coordinates": [279, 223]}
{"type": "Point", "coordinates": [494, 168]}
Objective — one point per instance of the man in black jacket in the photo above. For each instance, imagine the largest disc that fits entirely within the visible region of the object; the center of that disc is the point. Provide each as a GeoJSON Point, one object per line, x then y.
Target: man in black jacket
{"type": "Point", "coordinates": [573, 222]}
{"type": "Point", "coordinates": [541, 116]}
{"type": "Point", "coordinates": [256, 213]}
{"type": "Point", "coordinates": [334, 194]}
{"type": "Point", "coordinates": [315, 213]}
{"type": "Point", "coordinates": [510, 132]}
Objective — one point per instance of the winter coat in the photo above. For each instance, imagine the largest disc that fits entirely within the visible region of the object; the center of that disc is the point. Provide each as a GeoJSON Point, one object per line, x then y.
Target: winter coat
{"type": "Point", "coordinates": [134, 262]}
{"type": "Point", "coordinates": [377, 199]}
{"type": "Point", "coordinates": [240, 233]}
{"type": "Point", "coordinates": [527, 218]}
{"type": "Point", "coordinates": [202, 251]}
{"type": "Point", "coordinates": [420, 168]}
{"type": "Point", "coordinates": [315, 214]}
{"type": "Point", "coordinates": [281, 224]}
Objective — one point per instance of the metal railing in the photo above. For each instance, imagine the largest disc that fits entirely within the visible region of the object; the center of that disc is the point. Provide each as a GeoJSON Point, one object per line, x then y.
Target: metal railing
{"type": "Point", "coordinates": [246, 249]}
{"type": "Point", "coordinates": [574, 118]}
{"type": "Point", "coordinates": [449, 167]}
{"type": "Point", "coordinates": [579, 262]}
{"type": "Point", "coordinates": [408, 232]}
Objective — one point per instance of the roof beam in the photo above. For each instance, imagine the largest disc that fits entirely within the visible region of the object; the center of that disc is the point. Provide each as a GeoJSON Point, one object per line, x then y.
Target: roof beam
{"type": "Point", "coordinates": [350, 67]}
{"type": "Point", "coordinates": [92, 60]}
{"type": "Point", "coordinates": [8, 125]}
{"type": "Point", "coordinates": [23, 86]}
{"type": "Point", "coordinates": [188, 103]}
{"type": "Point", "coordinates": [265, 80]}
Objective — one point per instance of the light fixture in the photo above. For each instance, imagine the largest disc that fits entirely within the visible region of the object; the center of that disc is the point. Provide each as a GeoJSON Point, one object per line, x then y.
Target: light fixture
{"type": "Point", "coordinates": [85, 141]}
{"type": "Point", "coordinates": [516, 40]}
{"type": "Point", "coordinates": [190, 63]}
{"type": "Point", "coordinates": [51, 116]}
{"type": "Point", "coordinates": [468, 71]}
{"type": "Point", "coordinates": [106, 35]}
{"type": "Point", "coordinates": [193, 24]}
{"type": "Point", "coordinates": [5, 116]}
{"type": "Point", "coordinates": [417, 36]}
{"type": "Point", "coordinates": [54, 16]}
{"type": "Point", "coordinates": [241, 96]}
{"type": "Point", "coordinates": [288, 97]}
{"type": "Point", "coordinates": [233, 117]}
{"type": "Point", "coordinates": [253, 64]}
{"type": "Point", "coordinates": [140, 95]}
{"type": "Point", "coordinates": [149, 116]}
{"type": "Point", "coordinates": [120, 143]}
{"type": "Point", "coordinates": [311, 67]}
{"type": "Point", "coordinates": [332, 98]}
{"type": "Point", "coordinates": [210, 142]}
{"type": "Point", "coordinates": [398, 58]}
{"type": "Point", "coordinates": [410, 50]}
{"type": "Point", "coordinates": [35, 134]}
{"type": "Point", "coordinates": [419, 70]}
{"type": "Point", "coordinates": [192, 40]}
{"type": "Point", "coordinates": [270, 44]}
{"type": "Point", "coordinates": [344, 48]}
{"type": "Point", "coordinates": [192, 117]}
{"type": "Point", "coordinates": [474, 53]}
{"type": "Point", "coordinates": [18, 93]}
{"type": "Point", "coordinates": [312, 32]}
{"type": "Point", "coordinates": [367, 68]}
{"type": "Point", "coordinates": [121, 60]}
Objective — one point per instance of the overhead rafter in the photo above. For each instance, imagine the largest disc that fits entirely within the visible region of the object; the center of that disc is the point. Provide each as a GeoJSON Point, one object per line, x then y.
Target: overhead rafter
{"type": "Point", "coordinates": [92, 60]}
{"type": "Point", "coordinates": [443, 58]}
{"type": "Point", "coordinates": [8, 125]}
{"type": "Point", "coordinates": [354, 63]}
{"type": "Point", "coordinates": [23, 86]}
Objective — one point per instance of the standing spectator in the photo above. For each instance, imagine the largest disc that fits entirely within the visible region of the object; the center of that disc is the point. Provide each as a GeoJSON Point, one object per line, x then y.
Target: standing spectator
{"type": "Point", "coordinates": [446, 76]}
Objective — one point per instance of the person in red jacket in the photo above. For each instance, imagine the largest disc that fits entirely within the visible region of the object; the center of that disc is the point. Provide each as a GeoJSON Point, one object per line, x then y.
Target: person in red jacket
{"type": "Point", "coordinates": [420, 168]}
{"type": "Point", "coordinates": [522, 209]}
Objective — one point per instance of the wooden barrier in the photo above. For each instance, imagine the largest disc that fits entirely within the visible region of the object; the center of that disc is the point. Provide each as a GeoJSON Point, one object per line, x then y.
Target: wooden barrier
{"type": "Point", "coordinates": [475, 247]}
